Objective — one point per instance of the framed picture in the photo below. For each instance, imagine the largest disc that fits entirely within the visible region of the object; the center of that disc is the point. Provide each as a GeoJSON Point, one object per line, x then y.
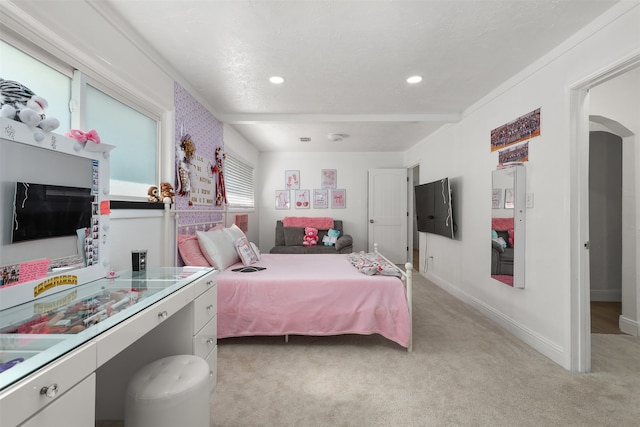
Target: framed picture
{"type": "Point", "coordinates": [282, 199]}
{"type": "Point", "coordinates": [338, 199]}
{"type": "Point", "coordinates": [496, 198]}
{"type": "Point", "coordinates": [329, 178]}
{"type": "Point", "coordinates": [509, 197]}
{"type": "Point", "coordinates": [292, 180]}
{"type": "Point", "coordinates": [302, 199]}
{"type": "Point", "coordinates": [321, 199]}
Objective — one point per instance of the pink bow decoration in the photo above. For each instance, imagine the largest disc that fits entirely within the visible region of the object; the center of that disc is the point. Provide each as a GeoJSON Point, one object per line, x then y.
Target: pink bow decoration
{"type": "Point", "coordinates": [81, 136]}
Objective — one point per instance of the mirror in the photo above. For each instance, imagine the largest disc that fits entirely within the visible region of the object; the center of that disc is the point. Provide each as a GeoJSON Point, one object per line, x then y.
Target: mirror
{"type": "Point", "coordinates": [507, 225]}
{"type": "Point", "coordinates": [30, 156]}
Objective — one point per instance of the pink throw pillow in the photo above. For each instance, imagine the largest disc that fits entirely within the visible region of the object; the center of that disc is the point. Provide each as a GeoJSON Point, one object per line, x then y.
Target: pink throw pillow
{"type": "Point", "coordinates": [190, 251]}
{"type": "Point", "coordinates": [510, 237]}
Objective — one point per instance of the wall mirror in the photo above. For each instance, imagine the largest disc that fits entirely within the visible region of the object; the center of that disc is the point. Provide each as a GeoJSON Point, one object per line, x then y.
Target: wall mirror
{"type": "Point", "coordinates": [71, 183]}
{"type": "Point", "coordinates": [508, 199]}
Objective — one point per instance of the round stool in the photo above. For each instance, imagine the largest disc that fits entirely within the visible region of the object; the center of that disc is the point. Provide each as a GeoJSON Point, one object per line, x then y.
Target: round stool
{"type": "Point", "coordinates": [170, 392]}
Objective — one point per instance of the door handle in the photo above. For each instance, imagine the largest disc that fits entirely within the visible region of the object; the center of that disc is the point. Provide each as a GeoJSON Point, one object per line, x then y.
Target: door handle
{"type": "Point", "coordinates": [371, 221]}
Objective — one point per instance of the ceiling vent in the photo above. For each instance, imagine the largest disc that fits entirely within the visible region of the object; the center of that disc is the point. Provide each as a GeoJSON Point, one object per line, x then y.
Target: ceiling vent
{"type": "Point", "coordinates": [337, 137]}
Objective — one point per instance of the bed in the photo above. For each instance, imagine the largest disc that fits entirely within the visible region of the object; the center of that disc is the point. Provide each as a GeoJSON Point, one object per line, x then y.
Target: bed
{"type": "Point", "coordinates": [302, 294]}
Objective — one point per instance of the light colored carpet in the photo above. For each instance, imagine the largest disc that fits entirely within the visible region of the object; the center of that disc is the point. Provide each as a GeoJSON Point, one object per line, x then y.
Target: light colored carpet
{"type": "Point", "coordinates": [464, 371]}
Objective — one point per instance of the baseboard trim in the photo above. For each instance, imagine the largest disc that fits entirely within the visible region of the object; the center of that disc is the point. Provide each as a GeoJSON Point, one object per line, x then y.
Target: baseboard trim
{"type": "Point", "coordinates": [629, 326]}
{"type": "Point", "coordinates": [533, 339]}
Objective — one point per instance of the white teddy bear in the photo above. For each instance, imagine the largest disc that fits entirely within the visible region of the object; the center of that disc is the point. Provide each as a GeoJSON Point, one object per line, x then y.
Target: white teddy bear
{"type": "Point", "coordinates": [21, 104]}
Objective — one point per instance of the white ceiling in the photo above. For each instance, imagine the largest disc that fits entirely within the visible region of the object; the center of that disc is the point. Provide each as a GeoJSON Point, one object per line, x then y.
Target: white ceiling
{"type": "Point", "coordinates": [345, 62]}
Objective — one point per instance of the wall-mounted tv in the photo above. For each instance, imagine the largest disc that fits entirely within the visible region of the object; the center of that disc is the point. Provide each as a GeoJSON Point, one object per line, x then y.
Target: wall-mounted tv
{"type": "Point", "coordinates": [434, 213]}
{"type": "Point", "coordinates": [41, 211]}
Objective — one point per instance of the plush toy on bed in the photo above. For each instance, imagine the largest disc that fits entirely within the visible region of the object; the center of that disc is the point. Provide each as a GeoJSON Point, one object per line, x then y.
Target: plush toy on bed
{"type": "Point", "coordinates": [310, 236]}
{"type": "Point", "coordinates": [19, 103]}
{"type": "Point", "coordinates": [331, 238]}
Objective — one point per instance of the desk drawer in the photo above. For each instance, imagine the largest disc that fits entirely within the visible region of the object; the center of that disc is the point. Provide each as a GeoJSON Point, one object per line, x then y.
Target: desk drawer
{"type": "Point", "coordinates": [205, 283]}
{"type": "Point", "coordinates": [116, 339]}
{"type": "Point", "coordinates": [206, 339]}
{"type": "Point", "coordinates": [76, 408]}
{"type": "Point", "coordinates": [212, 360]}
{"type": "Point", "coordinates": [205, 308]}
{"type": "Point", "coordinates": [20, 401]}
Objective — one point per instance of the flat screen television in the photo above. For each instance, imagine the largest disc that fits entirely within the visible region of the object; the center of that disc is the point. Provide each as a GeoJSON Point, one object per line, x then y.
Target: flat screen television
{"type": "Point", "coordinates": [434, 213]}
{"type": "Point", "coordinates": [42, 211]}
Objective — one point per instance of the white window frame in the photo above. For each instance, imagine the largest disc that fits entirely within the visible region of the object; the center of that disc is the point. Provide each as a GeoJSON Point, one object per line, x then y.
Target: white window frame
{"type": "Point", "coordinates": [119, 190]}
{"type": "Point", "coordinates": [252, 187]}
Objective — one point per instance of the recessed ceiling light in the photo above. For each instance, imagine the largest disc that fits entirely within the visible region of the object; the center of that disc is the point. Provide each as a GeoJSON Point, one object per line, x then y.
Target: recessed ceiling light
{"type": "Point", "coordinates": [276, 80]}
{"type": "Point", "coordinates": [414, 79]}
{"type": "Point", "coordinates": [305, 139]}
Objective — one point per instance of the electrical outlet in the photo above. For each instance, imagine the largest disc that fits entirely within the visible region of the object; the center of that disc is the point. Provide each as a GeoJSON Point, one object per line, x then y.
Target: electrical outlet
{"type": "Point", "coordinates": [529, 200]}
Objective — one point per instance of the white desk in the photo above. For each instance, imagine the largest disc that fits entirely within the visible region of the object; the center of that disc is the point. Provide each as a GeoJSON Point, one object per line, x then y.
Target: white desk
{"type": "Point", "coordinates": [81, 377]}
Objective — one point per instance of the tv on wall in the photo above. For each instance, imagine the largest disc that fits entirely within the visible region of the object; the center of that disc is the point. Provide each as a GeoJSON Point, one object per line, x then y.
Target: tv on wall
{"type": "Point", "coordinates": [41, 211]}
{"type": "Point", "coordinates": [433, 207]}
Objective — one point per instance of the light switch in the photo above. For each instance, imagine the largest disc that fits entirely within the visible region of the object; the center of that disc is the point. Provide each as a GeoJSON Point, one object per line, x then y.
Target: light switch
{"type": "Point", "coordinates": [529, 200]}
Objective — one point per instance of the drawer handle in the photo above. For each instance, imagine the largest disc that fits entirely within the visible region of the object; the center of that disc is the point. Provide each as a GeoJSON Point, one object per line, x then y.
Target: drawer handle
{"type": "Point", "coordinates": [210, 307]}
{"type": "Point", "coordinates": [210, 341]}
{"type": "Point", "coordinates": [50, 391]}
{"type": "Point", "coordinates": [163, 315]}
{"type": "Point", "coordinates": [209, 283]}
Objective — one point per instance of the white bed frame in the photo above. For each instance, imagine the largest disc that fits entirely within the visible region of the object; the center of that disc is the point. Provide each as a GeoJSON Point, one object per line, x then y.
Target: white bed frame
{"type": "Point", "coordinates": [406, 274]}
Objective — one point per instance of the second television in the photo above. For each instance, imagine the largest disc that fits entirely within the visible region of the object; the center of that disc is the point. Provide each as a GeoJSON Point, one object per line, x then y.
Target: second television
{"type": "Point", "coordinates": [433, 206]}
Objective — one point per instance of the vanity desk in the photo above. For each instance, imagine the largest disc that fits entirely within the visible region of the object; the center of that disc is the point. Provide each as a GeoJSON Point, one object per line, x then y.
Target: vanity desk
{"type": "Point", "coordinates": [77, 348]}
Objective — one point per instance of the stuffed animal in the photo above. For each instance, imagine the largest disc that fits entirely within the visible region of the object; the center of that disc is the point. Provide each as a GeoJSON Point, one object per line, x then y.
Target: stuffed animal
{"type": "Point", "coordinates": [310, 236]}
{"type": "Point", "coordinates": [153, 194]}
{"type": "Point", "coordinates": [166, 192]}
{"type": "Point", "coordinates": [331, 238]}
{"type": "Point", "coordinates": [19, 103]}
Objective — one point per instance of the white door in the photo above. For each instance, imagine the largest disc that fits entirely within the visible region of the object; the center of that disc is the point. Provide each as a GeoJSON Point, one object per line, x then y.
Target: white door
{"type": "Point", "coordinates": [388, 213]}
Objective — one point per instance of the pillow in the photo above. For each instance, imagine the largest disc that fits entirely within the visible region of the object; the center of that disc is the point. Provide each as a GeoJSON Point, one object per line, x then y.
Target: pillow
{"type": "Point", "coordinates": [217, 248]}
{"type": "Point", "coordinates": [256, 250]}
{"type": "Point", "coordinates": [190, 252]}
{"type": "Point", "coordinates": [343, 242]}
{"type": "Point", "coordinates": [245, 251]}
{"type": "Point", "coordinates": [511, 235]}
{"type": "Point", "coordinates": [293, 236]}
{"type": "Point", "coordinates": [234, 233]}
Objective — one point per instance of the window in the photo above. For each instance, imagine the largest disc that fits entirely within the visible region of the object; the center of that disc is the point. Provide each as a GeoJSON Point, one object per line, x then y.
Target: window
{"type": "Point", "coordinates": [43, 80]}
{"type": "Point", "coordinates": [135, 163]}
{"type": "Point", "coordinates": [238, 181]}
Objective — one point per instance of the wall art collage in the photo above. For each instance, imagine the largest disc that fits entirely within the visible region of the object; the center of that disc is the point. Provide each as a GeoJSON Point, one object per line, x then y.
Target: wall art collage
{"type": "Point", "coordinates": [328, 196]}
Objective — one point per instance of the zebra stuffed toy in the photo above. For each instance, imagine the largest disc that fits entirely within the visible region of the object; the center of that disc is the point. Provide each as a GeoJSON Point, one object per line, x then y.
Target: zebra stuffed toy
{"type": "Point", "coordinates": [19, 103]}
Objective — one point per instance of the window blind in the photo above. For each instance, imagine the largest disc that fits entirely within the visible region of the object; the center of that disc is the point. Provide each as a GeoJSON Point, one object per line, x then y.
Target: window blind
{"type": "Point", "coordinates": [238, 182]}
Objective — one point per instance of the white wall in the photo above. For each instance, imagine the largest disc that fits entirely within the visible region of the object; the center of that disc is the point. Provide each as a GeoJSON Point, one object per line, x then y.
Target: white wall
{"type": "Point", "coordinates": [539, 314]}
{"type": "Point", "coordinates": [352, 176]}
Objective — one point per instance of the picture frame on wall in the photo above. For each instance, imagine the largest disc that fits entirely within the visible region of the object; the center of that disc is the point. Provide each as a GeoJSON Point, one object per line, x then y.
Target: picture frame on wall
{"type": "Point", "coordinates": [329, 178]}
{"type": "Point", "coordinates": [282, 199]}
{"type": "Point", "coordinates": [302, 200]}
{"type": "Point", "coordinates": [496, 198]}
{"type": "Point", "coordinates": [292, 179]}
{"type": "Point", "coordinates": [509, 198]}
{"type": "Point", "coordinates": [338, 199]}
{"type": "Point", "coordinates": [320, 198]}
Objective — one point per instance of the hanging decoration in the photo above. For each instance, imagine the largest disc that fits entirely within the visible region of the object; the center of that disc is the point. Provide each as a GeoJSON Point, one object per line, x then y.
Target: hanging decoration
{"type": "Point", "coordinates": [217, 171]}
{"type": "Point", "coordinates": [184, 154]}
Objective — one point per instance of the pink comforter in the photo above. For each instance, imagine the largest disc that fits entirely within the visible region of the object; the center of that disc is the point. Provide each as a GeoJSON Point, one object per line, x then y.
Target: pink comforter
{"type": "Point", "coordinates": [311, 294]}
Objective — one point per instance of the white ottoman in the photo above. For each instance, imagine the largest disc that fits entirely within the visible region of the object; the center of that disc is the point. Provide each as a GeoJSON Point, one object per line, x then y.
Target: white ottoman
{"type": "Point", "coordinates": [170, 392]}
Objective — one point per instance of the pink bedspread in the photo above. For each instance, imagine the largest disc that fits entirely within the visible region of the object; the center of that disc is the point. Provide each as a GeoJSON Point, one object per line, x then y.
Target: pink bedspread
{"type": "Point", "coordinates": [311, 294]}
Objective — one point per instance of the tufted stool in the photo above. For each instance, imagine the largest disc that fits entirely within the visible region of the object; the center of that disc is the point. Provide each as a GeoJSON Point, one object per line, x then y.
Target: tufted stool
{"type": "Point", "coordinates": [170, 392]}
